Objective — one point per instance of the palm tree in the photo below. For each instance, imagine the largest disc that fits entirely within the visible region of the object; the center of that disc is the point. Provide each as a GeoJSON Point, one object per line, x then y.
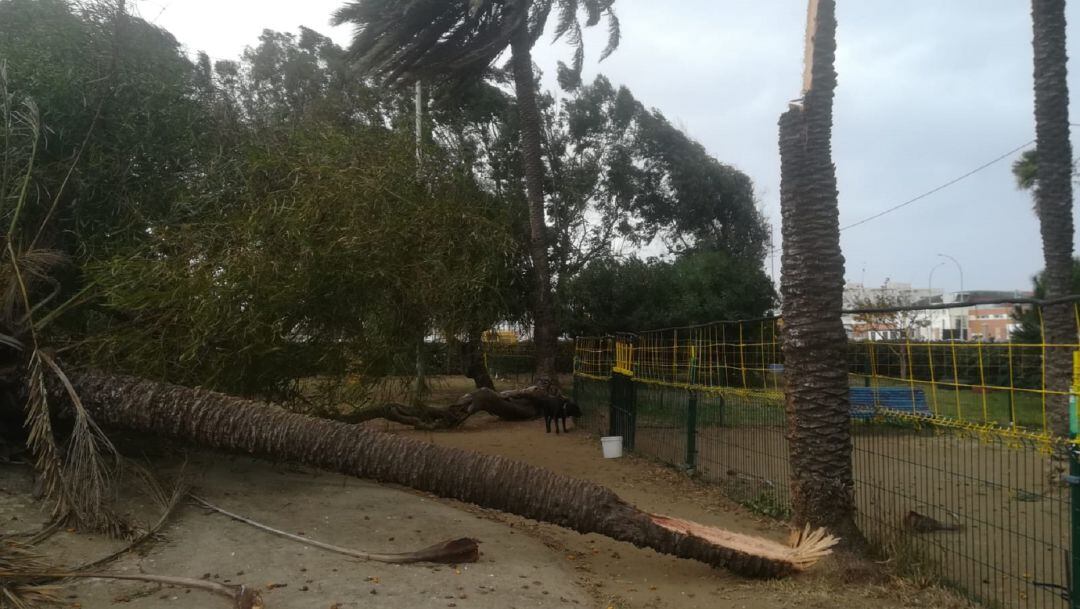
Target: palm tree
{"type": "Point", "coordinates": [456, 42]}
{"type": "Point", "coordinates": [819, 422]}
{"type": "Point", "coordinates": [1049, 171]}
{"type": "Point", "coordinates": [1025, 168]}
{"type": "Point", "coordinates": [233, 424]}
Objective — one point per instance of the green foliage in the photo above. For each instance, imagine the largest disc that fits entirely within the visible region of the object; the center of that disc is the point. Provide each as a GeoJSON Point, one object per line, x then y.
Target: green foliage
{"type": "Point", "coordinates": [241, 225]}
{"type": "Point", "coordinates": [244, 224]}
{"type": "Point", "coordinates": [116, 93]}
{"type": "Point", "coordinates": [617, 172]}
{"type": "Point", "coordinates": [1025, 168]}
{"type": "Point", "coordinates": [333, 259]}
{"type": "Point", "coordinates": [1030, 331]}
{"type": "Point", "coordinates": [613, 295]}
{"type": "Point", "coordinates": [647, 179]}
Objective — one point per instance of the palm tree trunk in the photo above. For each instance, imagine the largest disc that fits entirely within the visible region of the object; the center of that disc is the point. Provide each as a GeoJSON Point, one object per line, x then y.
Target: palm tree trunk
{"type": "Point", "coordinates": [545, 335]}
{"type": "Point", "coordinates": [814, 341]}
{"type": "Point", "coordinates": [223, 422]}
{"type": "Point", "coordinates": [1053, 197]}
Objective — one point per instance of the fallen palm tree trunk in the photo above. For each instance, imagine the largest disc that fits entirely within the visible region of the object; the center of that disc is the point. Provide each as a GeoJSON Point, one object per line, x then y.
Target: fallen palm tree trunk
{"type": "Point", "coordinates": [448, 552]}
{"type": "Point", "coordinates": [224, 422]}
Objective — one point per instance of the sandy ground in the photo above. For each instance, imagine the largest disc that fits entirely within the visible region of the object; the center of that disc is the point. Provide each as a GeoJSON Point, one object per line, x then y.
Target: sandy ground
{"type": "Point", "coordinates": [515, 569]}
{"type": "Point", "coordinates": [622, 576]}
{"type": "Point", "coordinates": [523, 563]}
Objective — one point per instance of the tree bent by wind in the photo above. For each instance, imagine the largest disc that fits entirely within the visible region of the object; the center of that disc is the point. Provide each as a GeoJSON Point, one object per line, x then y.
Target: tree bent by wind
{"type": "Point", "coordinates": [455, 43]}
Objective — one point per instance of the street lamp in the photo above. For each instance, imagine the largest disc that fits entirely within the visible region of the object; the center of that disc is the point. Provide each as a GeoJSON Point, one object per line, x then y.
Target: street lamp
{"type": "Point", "coordinates": [930, 281]}
{"type": "Point", "coordinates": [959, 268]}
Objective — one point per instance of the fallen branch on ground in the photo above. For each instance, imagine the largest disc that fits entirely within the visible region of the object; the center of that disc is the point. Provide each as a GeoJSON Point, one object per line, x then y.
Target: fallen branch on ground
{"type": "Point", "coordinates": [509, 405]}
{"type": "Point", "coordinates": [242, 596]}
{"type": "Point", "coordinates": [448, 552]}
{"type": "Point", "coordinates": [22, 572]}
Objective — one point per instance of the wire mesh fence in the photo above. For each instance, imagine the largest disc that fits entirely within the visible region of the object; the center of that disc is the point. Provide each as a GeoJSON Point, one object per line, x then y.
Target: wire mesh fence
{"type": "Point", "coordinates": [969, 494]}
{"type": "Point", "coordinates": [991, 369]}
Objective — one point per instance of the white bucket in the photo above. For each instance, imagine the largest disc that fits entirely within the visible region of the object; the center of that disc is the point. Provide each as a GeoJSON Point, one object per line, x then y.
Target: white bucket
{"type": "Point", "coordinates": [612, 446]}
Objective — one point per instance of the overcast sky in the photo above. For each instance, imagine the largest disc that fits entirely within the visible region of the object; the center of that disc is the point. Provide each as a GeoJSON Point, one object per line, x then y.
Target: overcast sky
{"type": "Point", "coordinates": [928, 90]}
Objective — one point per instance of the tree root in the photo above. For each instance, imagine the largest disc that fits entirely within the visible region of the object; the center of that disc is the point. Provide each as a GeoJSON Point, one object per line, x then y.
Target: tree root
{"type": "Point", "coordinates": [455, 551]}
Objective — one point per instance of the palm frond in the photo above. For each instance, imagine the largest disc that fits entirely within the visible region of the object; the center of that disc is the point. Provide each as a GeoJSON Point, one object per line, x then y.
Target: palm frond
{"type": "Point", "coordinates": [18, 566]}
{"type": "Point", "coordinates": [567, 22]}
{"type": "Point", "coordinates": [76, 481]}
{"type": "Point", "coordinates": [88, 467]}
{"type": "Point", "coordinates": [614, 34]}
{"type": "Point", "coordinates": [19, 596]}
{"type": "Point", "coordinates": [42, 442]}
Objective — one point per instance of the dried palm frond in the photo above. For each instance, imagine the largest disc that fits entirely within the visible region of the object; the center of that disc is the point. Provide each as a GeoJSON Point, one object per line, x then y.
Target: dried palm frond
{"type": "Point", "coordinates": [18, 558]}
{"type": "Point", "coordinates": [89, 465]}
{"type": "Point", "coordinates": [29, 268]}
{"type": "Point", "coordinates": [18, 596]}
{"type": "Point", "coordinates": [76, 481]}
{"type": "Point", "coordinates": [18, 565]}
{"type": "Point", "coordinates": [41, 441]}
{"type": "Point", "coordinates": [166, 500]}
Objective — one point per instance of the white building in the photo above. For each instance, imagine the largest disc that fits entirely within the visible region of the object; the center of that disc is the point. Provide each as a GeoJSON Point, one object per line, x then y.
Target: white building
{"type": "Point", "coordinates": [978, 320]}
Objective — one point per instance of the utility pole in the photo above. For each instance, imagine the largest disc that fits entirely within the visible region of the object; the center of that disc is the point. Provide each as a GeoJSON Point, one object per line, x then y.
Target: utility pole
{"type": "Point", "coordinates": [420, 388]}
{"type": "Point", "coordinates": [419, 123]}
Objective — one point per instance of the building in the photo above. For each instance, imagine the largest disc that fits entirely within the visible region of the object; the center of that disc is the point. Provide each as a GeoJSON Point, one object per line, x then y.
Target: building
{"type": "Point", "coordinates": [891, 326]}
{"type": "Point", "coordinates": [994, 323]}
{"type": "Point", "coordinates": [976, 317]}
{"type": "Point", "coordinates": [857, 295]}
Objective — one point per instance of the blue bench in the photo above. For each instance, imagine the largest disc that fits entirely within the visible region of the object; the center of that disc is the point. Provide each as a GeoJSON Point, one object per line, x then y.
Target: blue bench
{"type": "Point", "coordinates": [866, 400]}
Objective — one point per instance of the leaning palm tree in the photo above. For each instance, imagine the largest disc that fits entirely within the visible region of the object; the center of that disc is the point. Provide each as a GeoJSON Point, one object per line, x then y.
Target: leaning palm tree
{"type": "Point", "coordinates": [456, 42]}
{"type": "Point", "coordinates": [1049, 170]}
{"type": "Point", "coordinates": [819, 422]}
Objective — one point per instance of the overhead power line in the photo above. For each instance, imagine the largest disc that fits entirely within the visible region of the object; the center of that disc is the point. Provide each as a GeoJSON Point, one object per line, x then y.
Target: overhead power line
{"type": "Point", "coordinates": [941, 187]}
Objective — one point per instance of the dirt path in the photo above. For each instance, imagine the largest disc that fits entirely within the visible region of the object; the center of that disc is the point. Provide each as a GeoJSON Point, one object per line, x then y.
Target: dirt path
{"type": "Point", "coordinates": [515, 570]}
{"type": "Point", "coordinates": [621, 576]}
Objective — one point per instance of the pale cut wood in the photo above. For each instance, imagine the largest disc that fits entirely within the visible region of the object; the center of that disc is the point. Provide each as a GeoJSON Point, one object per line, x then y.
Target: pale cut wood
{"type": "Point", "coordinates": [808, 56]}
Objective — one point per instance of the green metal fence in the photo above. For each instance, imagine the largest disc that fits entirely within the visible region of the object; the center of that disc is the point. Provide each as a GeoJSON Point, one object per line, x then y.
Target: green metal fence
{"type": "Point", "coordinates": [980, 508]}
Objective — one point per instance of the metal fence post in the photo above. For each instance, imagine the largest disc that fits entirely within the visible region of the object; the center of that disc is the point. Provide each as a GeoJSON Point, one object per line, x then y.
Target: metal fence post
{"type": "Point", "coordinates": [691, 432]}
{"type": "Point", "coordinates": [576, 395]}
{"type": "Point", "coordinates": [624, 392]}
{"type": "Point", "coordinates": [691, 415]}
{"type": "Point", "coordinates": [613, 411]}
{"type": "Point", "coordinates": [1074, 484]}
{"type": "Point", "coordinates": [623, 411]}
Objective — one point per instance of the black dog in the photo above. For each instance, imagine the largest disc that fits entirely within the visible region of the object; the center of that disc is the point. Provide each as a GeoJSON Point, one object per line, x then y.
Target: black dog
{"type": "Point", "coordinates": [556, 408]}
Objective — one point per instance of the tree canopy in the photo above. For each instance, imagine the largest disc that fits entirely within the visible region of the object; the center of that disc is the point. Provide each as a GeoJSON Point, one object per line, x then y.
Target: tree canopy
{"type": "Point", "coordinates": [612, 295]}
{"type": "Point", "coordinates": [252, 225]}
